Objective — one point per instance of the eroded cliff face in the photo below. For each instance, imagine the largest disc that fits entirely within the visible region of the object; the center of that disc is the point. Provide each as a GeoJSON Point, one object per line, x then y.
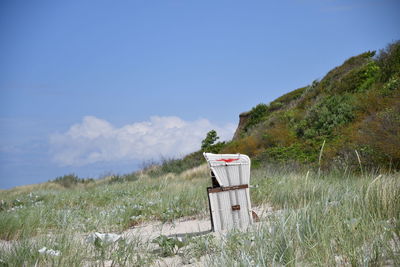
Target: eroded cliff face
{"type": "Point", "coordinates": [243, 118]}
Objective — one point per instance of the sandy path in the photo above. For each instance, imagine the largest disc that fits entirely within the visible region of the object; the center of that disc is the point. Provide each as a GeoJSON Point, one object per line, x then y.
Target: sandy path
{"type": "Point", "coordinates": [180, 229]}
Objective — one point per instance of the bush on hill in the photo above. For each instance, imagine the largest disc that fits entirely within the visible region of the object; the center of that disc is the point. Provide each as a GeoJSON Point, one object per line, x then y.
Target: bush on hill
{"type": "Point", "coordinates": [323, 118]}
{"type": "Point", "coordinates": [352, 108]}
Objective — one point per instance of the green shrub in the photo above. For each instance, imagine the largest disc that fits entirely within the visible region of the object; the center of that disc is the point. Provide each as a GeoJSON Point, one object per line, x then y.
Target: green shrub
{"type": "Point", "coordinates": [333, 78]}
{"type": "Point", "coordinates": [256, 115]}
{"type": "Point", "coordinates": [279, 135]}
{"type": "Point", "coordinates": [381, 132]}
{"type": "Point", "coordinates": [388, 60]}
{"type": "Point", "coordinates": [209, 145]}
{"type": "Point", "coordinates": [370, 75]}
{"type": "Point", "coordinates": [357, 80]}
{"type": "Point", "coordinates": [325, 116]}
{"type": "Point", "coordinates": [391, 85]}
{"type": "Point", "coordinates": [296, 152]}
{"type": "Point", "coordinates": [210, 139]}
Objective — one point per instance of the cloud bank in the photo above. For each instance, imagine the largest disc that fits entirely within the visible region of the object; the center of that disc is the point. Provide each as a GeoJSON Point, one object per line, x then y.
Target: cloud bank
{"type": "Point", "coordinates": [96, 140]}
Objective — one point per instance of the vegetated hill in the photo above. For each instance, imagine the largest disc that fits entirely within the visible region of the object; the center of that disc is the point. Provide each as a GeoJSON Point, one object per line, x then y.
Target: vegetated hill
{"type": "Point", "coordinates": [348, 120]}
{"type": "Point", "coordinates": [354, 111]}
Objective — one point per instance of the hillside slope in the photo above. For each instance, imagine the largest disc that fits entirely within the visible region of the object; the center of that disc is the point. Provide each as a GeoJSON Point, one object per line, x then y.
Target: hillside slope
{"type": "Point", "coordinates": [354, 111]}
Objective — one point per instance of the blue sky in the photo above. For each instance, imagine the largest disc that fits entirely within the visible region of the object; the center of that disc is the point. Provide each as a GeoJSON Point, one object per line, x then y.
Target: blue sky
{"type": "Point", "coordinates": [98, 87]}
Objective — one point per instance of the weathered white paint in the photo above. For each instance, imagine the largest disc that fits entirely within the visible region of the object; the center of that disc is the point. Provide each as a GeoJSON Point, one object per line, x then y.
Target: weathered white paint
{"type": "Point", "coordinates": [230, 170]}
{"type": "Point", "coordinates": [231, 173]}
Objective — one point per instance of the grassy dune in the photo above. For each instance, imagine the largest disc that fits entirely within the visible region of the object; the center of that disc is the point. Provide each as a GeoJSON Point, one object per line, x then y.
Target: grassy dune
{"type": "Point", "coordinates": [322, 220]}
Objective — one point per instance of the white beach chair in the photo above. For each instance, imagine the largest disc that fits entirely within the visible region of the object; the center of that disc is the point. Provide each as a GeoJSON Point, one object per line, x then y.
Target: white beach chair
{"type": "Point", "coordinates": [229, 197]}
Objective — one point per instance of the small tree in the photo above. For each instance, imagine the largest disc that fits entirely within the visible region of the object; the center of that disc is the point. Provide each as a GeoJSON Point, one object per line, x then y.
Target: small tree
{"type": "Point", "coordinates": [209, 141]}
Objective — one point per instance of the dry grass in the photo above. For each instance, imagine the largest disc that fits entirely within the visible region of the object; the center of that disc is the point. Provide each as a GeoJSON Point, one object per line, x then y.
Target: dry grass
{"type": "Point", "coordinates": [321, 219]}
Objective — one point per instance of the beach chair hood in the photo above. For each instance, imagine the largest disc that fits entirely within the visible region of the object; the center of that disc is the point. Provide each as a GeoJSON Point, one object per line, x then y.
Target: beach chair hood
{"type": "Point", "coordinates": [229, 169]}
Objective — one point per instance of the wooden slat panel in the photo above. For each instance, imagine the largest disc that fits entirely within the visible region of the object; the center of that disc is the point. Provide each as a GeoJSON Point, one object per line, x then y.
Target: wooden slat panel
{"type": "Point", "coordinates": [244, 212]}
{"type": "Point", "coordinates": [226, 213]}
{"type": "Point", "coordinates": [215, 211]}
{"type": "Point", "coordinates": [224, 216]}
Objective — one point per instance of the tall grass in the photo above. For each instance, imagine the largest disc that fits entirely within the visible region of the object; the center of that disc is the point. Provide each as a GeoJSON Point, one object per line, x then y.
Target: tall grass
{"type": "Point", "coordinates": [106, 207]}
{"type": "Point", "coordinates": [75, 252]}
{"type": "Point", "coordinates": [318, 219]}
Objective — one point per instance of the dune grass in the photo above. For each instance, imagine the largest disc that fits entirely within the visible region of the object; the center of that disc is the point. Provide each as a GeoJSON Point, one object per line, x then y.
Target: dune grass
{"type": "Point", "coordinates": [321, 219]}
{"type": "Point", "coordinates": [75, 252]}
{"type": "Point", "coordinates": [104, 207]}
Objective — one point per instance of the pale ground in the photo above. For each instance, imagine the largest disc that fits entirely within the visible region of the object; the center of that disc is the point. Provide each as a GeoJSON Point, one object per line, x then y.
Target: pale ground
{"type": "Point", "coordinates": [180, 229]}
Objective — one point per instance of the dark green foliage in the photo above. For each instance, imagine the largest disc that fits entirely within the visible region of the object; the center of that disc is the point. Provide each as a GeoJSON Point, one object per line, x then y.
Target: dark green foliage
{"type": "Point", "coordinates": [209, 140]}
{"type": "Point", "coordinates": [296, 152]}
{"type": "Point", "coordinates": [256, 115]}
{"type": "Point", "coordinates": [216, 148]}
{"type": "Point", "coordinates": [71, 180]}
{"type": "Point", "coordinates": [325, 116]}
{"type": "Point", "coordinates": [389, 61]}
{"type": "Point", "coordinates": [392, 84]}
{"type": "Point", "coordinates": [358, 79]}
{"type": "Point", "coordinates": [209, 145]}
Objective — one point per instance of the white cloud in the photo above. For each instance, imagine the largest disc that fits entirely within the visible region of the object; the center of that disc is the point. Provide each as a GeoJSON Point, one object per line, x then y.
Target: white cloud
{"type": "Point", "coordinates": [96, 140]}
